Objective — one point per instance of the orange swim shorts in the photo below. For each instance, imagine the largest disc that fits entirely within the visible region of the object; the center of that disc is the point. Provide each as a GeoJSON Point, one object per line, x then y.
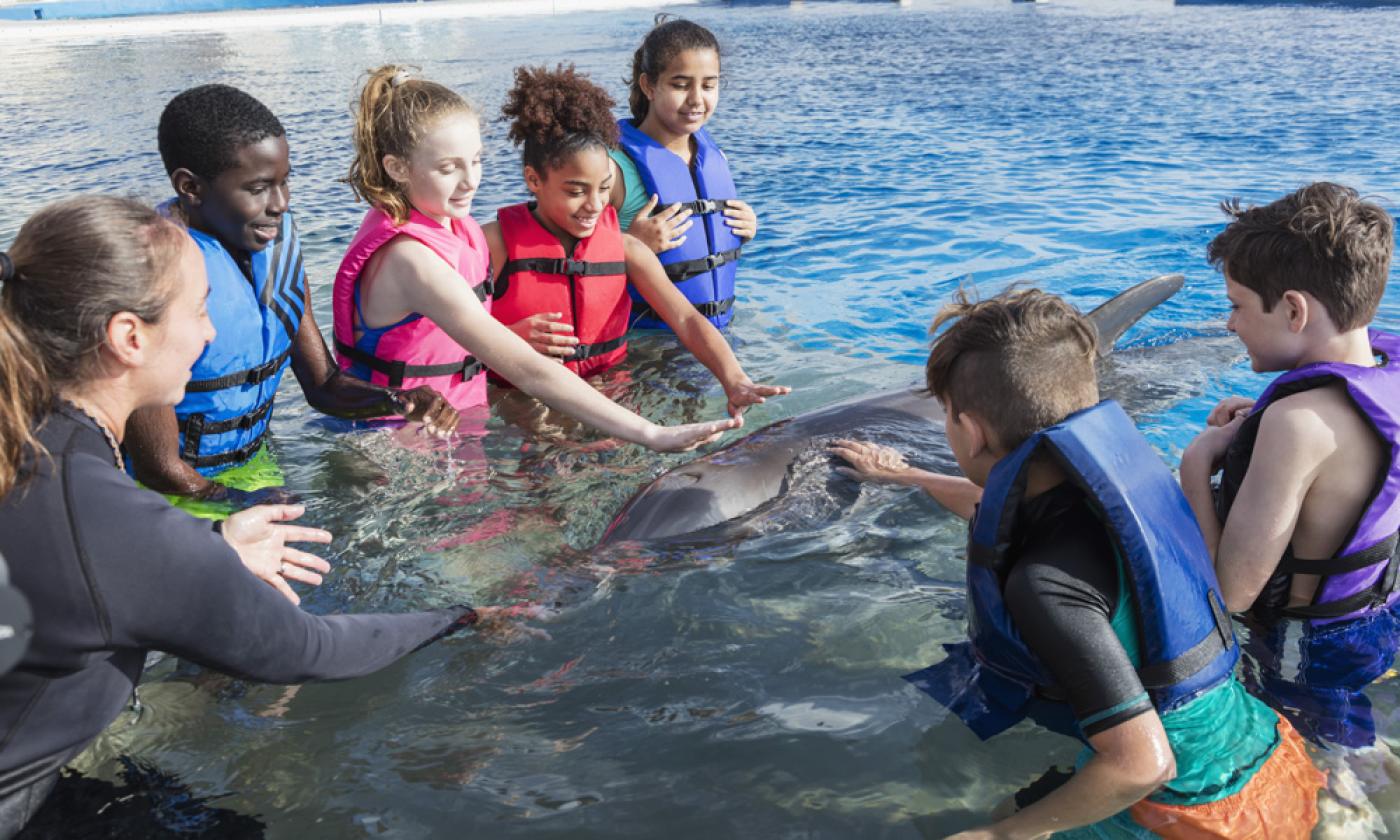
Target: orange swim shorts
{"type": "Point", "coordinates": [1279, 803]}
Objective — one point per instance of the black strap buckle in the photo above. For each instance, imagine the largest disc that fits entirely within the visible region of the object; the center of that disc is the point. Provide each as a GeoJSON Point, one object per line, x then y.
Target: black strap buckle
{"type": "Point", "coordinates": [194, 431]}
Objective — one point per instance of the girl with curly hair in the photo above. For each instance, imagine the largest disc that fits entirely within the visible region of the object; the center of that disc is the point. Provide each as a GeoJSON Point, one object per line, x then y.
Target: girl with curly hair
{"type": "Point", "coordinates": [562, 263]}
{"type": "Point", "coordinates": [667, 157]}
{"type": "Point", "coordinates": [412, 296]}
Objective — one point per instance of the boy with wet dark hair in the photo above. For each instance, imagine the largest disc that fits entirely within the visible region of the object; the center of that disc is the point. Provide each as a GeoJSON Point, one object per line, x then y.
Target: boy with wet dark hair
{"type": "Point", "coordinates": [1092, 606]}
{"type": "Point", "coordinates": [1304, 537]}
{"type": "Point", "coordinates": [227, 158]}
{"type": "Point", "coordinates": [202, 128]}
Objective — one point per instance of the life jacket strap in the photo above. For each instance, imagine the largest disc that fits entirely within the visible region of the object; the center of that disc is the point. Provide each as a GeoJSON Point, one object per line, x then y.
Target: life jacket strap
{"type": "Point", "coordinates": [398, 371]}
{"type": "Point", "coordinates": [251, 376]}
{"type": "Point", "coordinates": [1162, 675]}
{"type": "Point", "coordinates": [1380, 552]}
{"type": "Point", "coordinates": [703, 206]}
{"type": "Point", "coordinates": [679, 272]}
{"type": "Point", "coordinates": [195, 429]}
{"type": "Point", "coordinates": [1383, 552]}
{"type": "Point", "coordinates": [588, 351]}
{"type": "Point", "coordinates": [568, 267]}
{"type": "Point", "coordinates": [240, 423]}
{"type": "Point", "coordinates": [709, 309]}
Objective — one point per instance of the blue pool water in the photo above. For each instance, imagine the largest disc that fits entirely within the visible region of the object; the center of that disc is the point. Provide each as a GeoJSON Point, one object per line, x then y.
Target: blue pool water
{"type": "Point", "coordinates": [749, 689]}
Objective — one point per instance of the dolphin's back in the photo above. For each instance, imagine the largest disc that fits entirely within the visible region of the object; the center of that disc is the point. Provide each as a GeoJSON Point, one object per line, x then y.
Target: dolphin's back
{"type": "Point", "coordinates": [750, 472]}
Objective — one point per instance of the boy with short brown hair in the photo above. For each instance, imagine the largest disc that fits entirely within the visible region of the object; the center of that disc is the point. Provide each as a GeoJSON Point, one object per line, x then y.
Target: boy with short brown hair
{"type": "Point", "coordinates": [1092, 607]}
{"type": "Point", "coordinates": [1304, 537]}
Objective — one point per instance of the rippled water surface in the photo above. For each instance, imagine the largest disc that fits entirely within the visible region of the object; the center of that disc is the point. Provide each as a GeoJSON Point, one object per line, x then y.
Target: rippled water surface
{"type": "Point", "coordinates": [748, 688]}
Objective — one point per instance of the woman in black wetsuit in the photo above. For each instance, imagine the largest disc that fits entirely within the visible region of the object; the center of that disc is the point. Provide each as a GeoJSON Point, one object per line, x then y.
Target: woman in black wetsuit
{"type": "Point", "coordinates": [101, 313]}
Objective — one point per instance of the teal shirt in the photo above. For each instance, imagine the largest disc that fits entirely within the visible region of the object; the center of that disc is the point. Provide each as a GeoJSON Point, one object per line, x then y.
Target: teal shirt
{"type": "Point", "coordinates": [1219, 739]}
{"type": "Point", "coordinates": [635, 192]}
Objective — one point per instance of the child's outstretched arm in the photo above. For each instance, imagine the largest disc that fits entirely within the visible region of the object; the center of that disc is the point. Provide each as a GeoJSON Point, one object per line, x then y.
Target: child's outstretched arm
{"type": "Point", "coordinates": [430, 286]}
{"type": "Point", "coordinates": [698, 335]}
{"type": "Point", "coordinates": [873, 462]}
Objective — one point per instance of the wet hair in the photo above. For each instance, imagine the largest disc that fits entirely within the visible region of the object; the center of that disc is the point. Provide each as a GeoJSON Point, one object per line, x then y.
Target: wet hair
{"type": "Point", "coordinates": [394, 111]}
{"type": "Point", "coordinates": [73, 265]}
{"type": "Point", "coordinates": [203, 128]}
{"type": "Point", "coordinates": [1323, 239]}
{"type": "Point", "coordinates": [1020, 361]}
{"type": "Point", "coordinates": [668, 38]}
{"type": "Point", "coordinates": [555, 114]}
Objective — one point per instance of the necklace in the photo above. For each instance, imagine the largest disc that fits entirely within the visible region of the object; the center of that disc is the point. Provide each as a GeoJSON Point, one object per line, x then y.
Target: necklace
{"type": "Point", "coordinates": [106, 432]}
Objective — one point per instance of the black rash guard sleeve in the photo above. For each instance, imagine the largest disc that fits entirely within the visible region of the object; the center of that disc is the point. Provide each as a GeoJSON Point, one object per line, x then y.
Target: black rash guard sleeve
{"type": "Point", "coordinates": [113, 571]}
{"type": "Point", "coordinates": [171, 583]}
{"type": "Point", "coordinates": [1061, 594]}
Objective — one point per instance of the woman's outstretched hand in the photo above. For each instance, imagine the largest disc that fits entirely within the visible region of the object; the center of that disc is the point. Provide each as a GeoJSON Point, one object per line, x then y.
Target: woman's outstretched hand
{"type": "Point", "coordinates": [260, 539]}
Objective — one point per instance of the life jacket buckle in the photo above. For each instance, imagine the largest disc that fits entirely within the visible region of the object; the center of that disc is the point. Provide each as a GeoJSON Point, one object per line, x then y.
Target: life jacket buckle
{"type": "Point", "coordinates": [570, 266]}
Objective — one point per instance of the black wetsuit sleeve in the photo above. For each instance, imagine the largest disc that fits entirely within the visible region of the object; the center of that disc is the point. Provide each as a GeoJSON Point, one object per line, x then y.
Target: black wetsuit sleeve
{"type": "Point", "coordinates": [1061, 595]}
{"type": "Point", "coordinates": [169, 582]}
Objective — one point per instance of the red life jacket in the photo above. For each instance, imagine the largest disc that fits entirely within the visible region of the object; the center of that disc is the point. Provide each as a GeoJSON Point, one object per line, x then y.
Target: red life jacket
{"type": "Point", "coordinates": [589, 287]}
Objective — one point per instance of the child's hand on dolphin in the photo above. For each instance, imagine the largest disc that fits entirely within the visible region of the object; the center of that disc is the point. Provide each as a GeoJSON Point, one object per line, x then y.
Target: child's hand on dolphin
{"type": "Point", "coordinates": [744, 393]}
{"type": "Point", "coordinates": [425, 405]}
{"type": "Point", "coordinates": [687, 437]}
{"type": "Point", "coordinates": [1228, 409]}
{"type": "Point", "coordinates": [869, 461]}
{"type": "Point", "coordinates": [547, 334]}
{"type": "Point", "coordinates": [741, 219]}
{"type": "Point", "coordinates": [663, 231]}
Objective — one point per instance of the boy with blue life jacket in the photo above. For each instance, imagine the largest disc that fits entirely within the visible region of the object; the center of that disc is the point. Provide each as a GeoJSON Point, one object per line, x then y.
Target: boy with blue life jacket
{"type": "Point", "coordinates": [227, 158]}
{"type": "Point", "coordinates": [561, 263]}
{"type": "Point", "coordinates": [1093, 608]}
{"type": "Point", "coordinates": [666, 158]}
{"type": "Point", "coordinates": [1304, 538]}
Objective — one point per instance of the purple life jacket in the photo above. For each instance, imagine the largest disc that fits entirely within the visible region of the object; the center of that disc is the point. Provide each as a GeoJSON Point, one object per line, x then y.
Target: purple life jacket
{"type": "Point", "coordinates": [1360, 580]}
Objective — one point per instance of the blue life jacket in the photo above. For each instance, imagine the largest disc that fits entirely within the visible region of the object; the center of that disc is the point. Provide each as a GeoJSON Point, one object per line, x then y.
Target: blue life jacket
{"type": "Point", "coordinates": [703, 267]}
{"type": "Point", "coordinates": [228, 402]}
{"type": "Point", "coordinates": [1188, 645]}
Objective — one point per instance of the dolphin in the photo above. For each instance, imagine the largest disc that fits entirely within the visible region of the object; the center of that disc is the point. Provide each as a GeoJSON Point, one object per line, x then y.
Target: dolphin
{"type": "Point", "coordinates": [751, 473]}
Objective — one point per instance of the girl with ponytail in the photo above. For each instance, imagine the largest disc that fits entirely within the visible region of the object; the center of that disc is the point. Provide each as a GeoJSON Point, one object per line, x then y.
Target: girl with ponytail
{"type": "Point", "coordinates": [668, 158]}
{"type": "Point", "coordinates": [561, 263]}
{"type": "Point", "coordinates": [412, 297]}
{"type": "Point", "coordinates": [102, 312]}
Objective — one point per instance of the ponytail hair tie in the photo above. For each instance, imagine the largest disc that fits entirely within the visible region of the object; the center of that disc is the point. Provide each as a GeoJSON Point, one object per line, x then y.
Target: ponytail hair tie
{"type": "Point", "coordinates": [7, 268]}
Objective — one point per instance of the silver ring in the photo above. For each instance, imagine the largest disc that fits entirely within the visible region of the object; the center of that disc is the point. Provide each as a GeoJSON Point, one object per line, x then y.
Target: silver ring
{"type": "Point", "coordinates": [284, 568]}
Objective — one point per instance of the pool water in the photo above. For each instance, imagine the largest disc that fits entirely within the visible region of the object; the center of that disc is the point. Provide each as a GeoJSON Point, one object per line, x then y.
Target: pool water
{"type": "Point", "coordinates": [752, 688]}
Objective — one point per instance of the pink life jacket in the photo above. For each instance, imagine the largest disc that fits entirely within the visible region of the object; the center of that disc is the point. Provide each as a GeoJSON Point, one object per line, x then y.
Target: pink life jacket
{"type": "Point", "coordinates": [415, 351]}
